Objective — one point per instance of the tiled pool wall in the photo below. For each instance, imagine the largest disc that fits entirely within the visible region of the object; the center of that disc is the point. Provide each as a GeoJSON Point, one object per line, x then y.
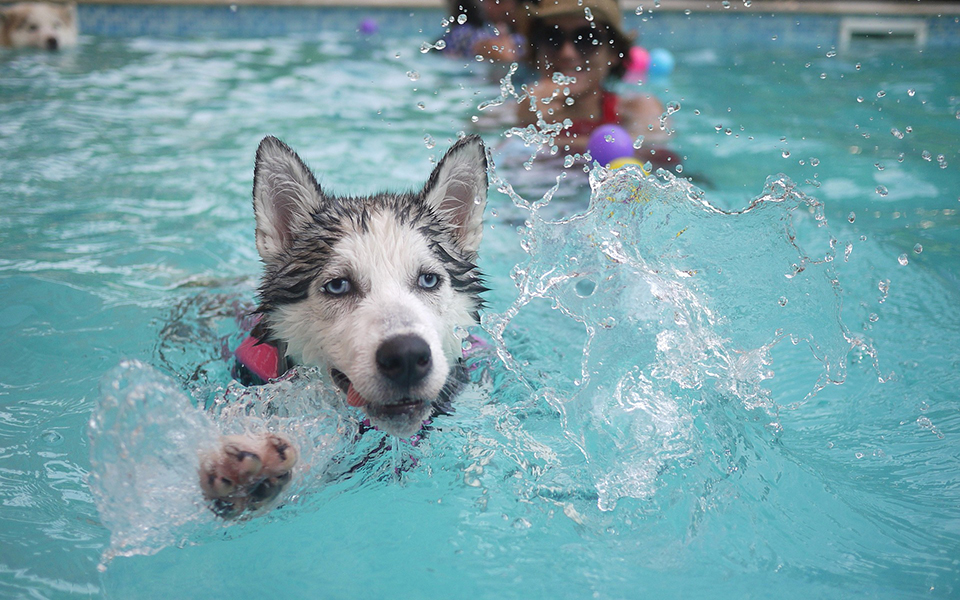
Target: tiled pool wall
{"type": "Point", "coordinates": [667, 29]}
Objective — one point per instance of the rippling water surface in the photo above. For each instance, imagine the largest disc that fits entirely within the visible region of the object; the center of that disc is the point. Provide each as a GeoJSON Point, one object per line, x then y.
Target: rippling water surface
{"type": "Point", "coordinates": [712, 389]}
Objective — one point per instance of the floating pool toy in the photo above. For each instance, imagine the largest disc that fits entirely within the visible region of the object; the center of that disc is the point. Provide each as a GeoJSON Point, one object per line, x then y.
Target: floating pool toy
{"type": "Point", "coordinates": [638, 64]}
{"type": "Point", "coordinates": [661, 62]}
{"type": "Point", "coordinates": [610, 142]}
{"type": "Point", "coordinates": [368, 26]}
{"type": "Point", "coordinates": [621, 162]}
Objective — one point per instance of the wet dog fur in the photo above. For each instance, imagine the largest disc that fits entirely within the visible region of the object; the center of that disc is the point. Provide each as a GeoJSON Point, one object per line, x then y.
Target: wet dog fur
{"type": "Point", "coordinates": [38, 25]}
{"type": "Point", "coordinates": [378, 291]}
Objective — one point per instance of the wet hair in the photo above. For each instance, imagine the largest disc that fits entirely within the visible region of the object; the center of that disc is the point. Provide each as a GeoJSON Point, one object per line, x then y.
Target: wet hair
{"type": "Point", "coordinates": [539, 30]}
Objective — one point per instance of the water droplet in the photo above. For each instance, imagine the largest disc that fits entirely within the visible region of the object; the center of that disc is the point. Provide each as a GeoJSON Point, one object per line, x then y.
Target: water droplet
{"type": "Point", "coordinates": [413, 75]}
{"type": "Point", "coordinates": [874, 317]}
{"type": "Point", "coordinates": [725, 4]}
{"type": "Point", "coordinates": [429, 142]}
{"type": "Point", "coordinates": [421, 105]}
{"type": "Point", "coordinates": [911, 92]}
{"type": "Point", "coordinates": [814, 161]}
{"type": "Point", "coordinates": [587, 13]}
{"type": "Point", "coordinates": [679, 169]}
{"type": "Point", "coordinates": [823, 75]}
{"type": "Point", "coordinates": [747, 3]}
{"type": "Point", "coordinates": [903, 260]}
{"type": "Point", "coordinates": [857, 66]}
{"type": "Point", "coordinates": [897, 133]}
{"type": "Point", "coordinates": [852, 217]}
{"type": "Point", "coordinates": [878, 166]}
{"type": "Point", "coordinates": [859, 98]}
{"type": "Point", "coordinates": [608, 323]}
{"type": "Point", "coordinates": [728, 131]}
{"type": "Point", "coordinates": [638, 143]}
{"type": "Point", "coordinates": [52, 437]}
{"type": "Point", "coordinates": [831, 53]}
{"type": "Point", "coordinates": [881, 94]}
{"type": "Point", "coordinates": [782, 301]}
{"type": "Point", "coordinates": [462, 19]}
{"type": "Point", "coordinates": [585, 287]}
{"type": "Point", "coordinates": [942, 161]}
{"type": "Point", "coordinates": [918, 248]}
{"type": "Point", "coordinates": [786, 154]}
{"type": "Point", "coordinates": [882, 190]}
{"type": "Point", "coordinates": [926, 155]}
{"type": "Point", "coordinates": [233, 8]}
{"type": "Point", "coordinates": [687, 12]}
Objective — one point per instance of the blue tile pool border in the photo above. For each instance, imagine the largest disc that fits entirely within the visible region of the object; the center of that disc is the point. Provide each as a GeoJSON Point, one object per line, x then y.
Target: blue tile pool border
{"type": "Point", "coordinates": [668, 29]}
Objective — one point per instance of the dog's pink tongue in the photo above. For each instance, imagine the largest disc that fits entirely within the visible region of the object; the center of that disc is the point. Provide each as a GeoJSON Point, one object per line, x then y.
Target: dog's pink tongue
{"type": "Point", "coordinates": [354, 398]}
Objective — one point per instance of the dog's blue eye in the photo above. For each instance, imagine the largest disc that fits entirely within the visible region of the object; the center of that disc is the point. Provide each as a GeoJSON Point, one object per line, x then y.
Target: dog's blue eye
{"type": "Point", "coordinates": [337, 287]}
{"type": "Point", "coordinates": [428, 281]}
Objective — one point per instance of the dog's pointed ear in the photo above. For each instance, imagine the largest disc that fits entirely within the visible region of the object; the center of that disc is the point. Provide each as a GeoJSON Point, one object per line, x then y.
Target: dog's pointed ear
{"type": "Point", "coordinates": [457, 190]}
{"type": "Point", "coordinates": [285, 196]}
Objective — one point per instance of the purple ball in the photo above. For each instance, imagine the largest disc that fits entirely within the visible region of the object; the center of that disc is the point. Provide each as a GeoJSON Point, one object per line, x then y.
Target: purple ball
{"type": "Point", "coordinates": [368, 26]}
{"type": "Point", "coordinates": [608, 143]}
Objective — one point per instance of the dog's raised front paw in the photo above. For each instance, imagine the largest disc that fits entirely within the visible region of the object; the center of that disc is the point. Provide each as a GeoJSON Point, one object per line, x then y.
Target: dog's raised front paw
{"type": "Point", "coordinates": [246, 473]}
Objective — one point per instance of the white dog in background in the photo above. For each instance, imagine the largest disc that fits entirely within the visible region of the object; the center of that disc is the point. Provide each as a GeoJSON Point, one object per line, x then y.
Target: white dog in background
{"type": "Point", "coordinates": [38, 25]}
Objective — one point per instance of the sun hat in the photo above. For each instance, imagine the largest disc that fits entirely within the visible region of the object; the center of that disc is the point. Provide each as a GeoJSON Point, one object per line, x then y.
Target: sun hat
{"type": "Point", "coordinates": [606, 11]}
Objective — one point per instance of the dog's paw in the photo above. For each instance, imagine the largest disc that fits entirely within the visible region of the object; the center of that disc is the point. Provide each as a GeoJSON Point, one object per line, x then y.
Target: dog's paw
{"type": "Point", "coordinates": [246, 472]}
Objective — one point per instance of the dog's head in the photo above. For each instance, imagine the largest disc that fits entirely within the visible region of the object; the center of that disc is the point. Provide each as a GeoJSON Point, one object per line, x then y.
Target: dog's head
{"type": "Point", "coordinates": [39, 25]}
{"type": "Point", "coordinates": [379, 290]}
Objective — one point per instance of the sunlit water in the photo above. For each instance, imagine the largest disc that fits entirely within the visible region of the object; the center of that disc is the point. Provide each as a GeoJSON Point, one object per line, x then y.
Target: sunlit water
{"type": "Point", "coordinates": [742, 388]}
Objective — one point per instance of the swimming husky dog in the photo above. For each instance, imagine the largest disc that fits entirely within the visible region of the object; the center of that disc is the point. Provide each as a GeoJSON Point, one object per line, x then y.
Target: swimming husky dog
{"type": "Point", "coordinates": [38, 25]}
{"type": "Point", "coordinates": [378, 291]}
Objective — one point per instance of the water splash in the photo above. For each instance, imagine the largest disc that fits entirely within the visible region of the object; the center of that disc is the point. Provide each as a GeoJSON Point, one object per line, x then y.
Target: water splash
{"type": "Point", "coordinates": [146, 435]}
{"type": "Point", "coordinates": [668, 322]}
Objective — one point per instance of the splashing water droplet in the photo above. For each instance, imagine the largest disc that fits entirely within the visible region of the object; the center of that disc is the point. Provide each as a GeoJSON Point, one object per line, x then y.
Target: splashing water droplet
{"type": "Point", "coordinates": [588, 14]}
{"type": "Point", "coordinates": [786, 154]}
{"type": "Point", "coordinates": [421, 105]}
{"type": "Point", "coordinates": [918, 248]}
{"type": "Point", "coordinates": [882, 190]}
{"type": "Point", "coordinates": [831, 53]}
{"type": "Point", "coordinates": [881, 94]}
{"type": "Point", "coordinates": [925, 155]}
{"type": "Point", "coordinates": [782, 301]}
{"type": "Point", "coordinates": [903, 260]}
{"type": "Point", "coordinates": [852, 217]}
{"type": "Point", "coordinates": [725, 3]}
{"type": "Point", "coordinates": [462, 19]}
{"type": "Point", "coordinates": [942, 161]}
{"type": "Point", "coordinates": [429, 142]}
{"type": "Point", "coordinates": [878, 166]}
{"type": "Point", "coordinates": [814, 161]}
{"type": "Point", "coordinates": [897, 133]}
{"type": "Point", "coordinates": [859, 98]}
{"type": "Point", "coordinates": [911, 92]}
{"type": "Point", "coordinates": [857, 66]}
{"type": "Point", "coordinates": [413, 75]}
{"type": "Point", "coordinates": [874, 317]}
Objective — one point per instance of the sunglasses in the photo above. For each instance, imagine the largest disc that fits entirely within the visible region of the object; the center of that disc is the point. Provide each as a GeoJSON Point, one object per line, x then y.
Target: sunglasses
{"type": "Point", "coordinates": [586, 39]}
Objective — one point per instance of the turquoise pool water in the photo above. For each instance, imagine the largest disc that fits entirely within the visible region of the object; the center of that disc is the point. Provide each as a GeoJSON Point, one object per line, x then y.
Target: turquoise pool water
{"type": "Point", "coordinates": [743, 390]}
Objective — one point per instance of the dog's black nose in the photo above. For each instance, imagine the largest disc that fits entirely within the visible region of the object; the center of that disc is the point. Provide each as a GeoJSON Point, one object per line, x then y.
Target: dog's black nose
{"type": "Point", "coordinates": [404, 359]}
{"type": "Point", "coordinates": [52, 43]}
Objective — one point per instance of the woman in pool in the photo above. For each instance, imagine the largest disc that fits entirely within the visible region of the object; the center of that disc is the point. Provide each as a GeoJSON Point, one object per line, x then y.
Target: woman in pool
{"type": "Point", "coordinates": [585, 39]}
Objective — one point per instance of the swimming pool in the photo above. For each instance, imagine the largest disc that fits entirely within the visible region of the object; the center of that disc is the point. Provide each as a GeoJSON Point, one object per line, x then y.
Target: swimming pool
{"type": "Point", "coordinates": [654, 435]}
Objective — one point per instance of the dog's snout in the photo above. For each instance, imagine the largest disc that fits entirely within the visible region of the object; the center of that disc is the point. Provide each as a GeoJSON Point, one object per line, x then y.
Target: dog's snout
{"type": "Point", "coordinates": [52, 43]}
{"type": "Point", "coordinates": [404, 359]}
